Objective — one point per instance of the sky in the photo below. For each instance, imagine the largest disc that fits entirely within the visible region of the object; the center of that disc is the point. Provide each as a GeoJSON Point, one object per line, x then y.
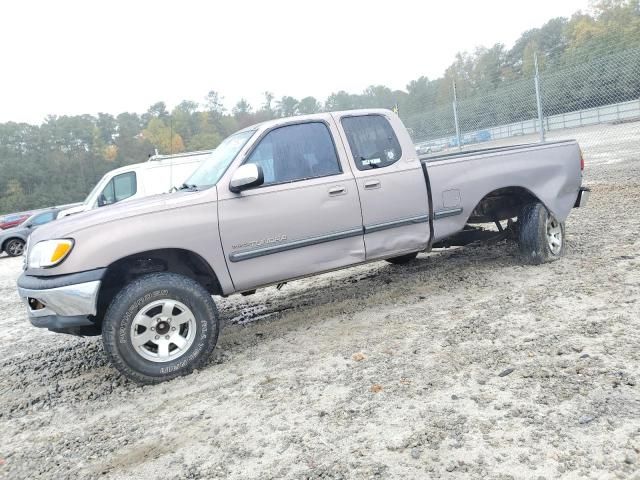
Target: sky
{"type": "Point", "coordinates": [74, 57]}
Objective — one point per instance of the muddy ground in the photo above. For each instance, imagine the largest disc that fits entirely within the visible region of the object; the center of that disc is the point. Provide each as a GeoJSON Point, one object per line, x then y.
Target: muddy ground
{"type": "Point", "coordinates": [463, 364]}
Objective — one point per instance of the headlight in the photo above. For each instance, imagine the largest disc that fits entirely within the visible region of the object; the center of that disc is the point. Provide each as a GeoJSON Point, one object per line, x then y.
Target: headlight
{"type": "Point", "coordinates": [49, 253]}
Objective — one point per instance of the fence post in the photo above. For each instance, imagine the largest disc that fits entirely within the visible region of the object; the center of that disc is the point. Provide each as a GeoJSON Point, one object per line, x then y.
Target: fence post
{"type": "Point", "coordinates": [455, 115]}
{"type": "Point", "coordinates": [538, 98]}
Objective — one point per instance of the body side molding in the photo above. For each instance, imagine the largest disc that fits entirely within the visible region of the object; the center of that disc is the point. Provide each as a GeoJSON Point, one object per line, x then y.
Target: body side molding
{"type": "Point", "coordinates": [447, 213]}
{"type": "Point", "coordinates": [330, 237]}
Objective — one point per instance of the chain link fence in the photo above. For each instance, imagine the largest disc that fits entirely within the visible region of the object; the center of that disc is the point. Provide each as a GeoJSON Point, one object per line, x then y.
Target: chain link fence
{"type": "Point", "coordinates": [595, 100]}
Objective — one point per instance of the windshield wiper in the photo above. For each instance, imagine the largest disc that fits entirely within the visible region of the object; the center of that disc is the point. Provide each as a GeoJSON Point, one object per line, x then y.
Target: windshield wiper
{"type": "Point", "coordinates": [189, 186]}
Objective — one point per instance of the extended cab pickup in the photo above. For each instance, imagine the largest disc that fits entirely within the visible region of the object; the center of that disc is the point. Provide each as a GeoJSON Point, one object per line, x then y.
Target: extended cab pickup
{"type": "Point", "coordinates": [277, 201]}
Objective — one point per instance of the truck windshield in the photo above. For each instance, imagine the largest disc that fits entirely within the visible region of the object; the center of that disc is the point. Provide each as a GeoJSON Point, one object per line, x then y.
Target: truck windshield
{"type": "Point", "coordinates": [210, 171]}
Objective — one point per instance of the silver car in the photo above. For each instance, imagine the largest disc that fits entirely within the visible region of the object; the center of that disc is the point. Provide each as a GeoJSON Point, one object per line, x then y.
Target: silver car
{"type": "Point", "coordinates": [13, 240]}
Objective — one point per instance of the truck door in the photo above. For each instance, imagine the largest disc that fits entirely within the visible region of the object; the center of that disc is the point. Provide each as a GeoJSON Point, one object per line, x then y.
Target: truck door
{"type": "Point", "coordinates": [392, 188]}
{"type": "Point", "coordinates": [304, 219]}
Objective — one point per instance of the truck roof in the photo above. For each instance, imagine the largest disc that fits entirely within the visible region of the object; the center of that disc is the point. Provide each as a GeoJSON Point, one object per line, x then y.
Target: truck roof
{"type": "Point", "coordinates": [314, 116]}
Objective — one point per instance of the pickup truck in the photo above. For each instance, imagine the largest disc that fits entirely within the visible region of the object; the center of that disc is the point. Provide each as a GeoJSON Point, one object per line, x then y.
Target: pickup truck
{"type": "Point", "coordinates": [277, 201]}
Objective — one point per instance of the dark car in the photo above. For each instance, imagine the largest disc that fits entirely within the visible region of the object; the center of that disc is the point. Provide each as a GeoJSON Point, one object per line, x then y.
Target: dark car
{"type": "Point", "coordinates": [13, 220]}
{"type": "Point", "coordinates": [14, 239]}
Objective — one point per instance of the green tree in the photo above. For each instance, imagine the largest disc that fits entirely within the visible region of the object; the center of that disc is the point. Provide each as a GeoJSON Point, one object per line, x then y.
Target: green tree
{"type": "Point", "coordinates": [158, 110]}
{"type": "Point", "coordinates": [242, 107]}
{"type": "Point", "coordinates": [184, 121]}
{"type": "Point", "coordinates": [309, 105]}
{"type": "Point", "coordinates": [266, 106]}
{"type": "Point", "coordinates": [13, 198]}
{"type": "Point", "coordinates": [287, 107]}
{"type": "Point", "coordinates": [160, 136]}
{"type": "Point", "coordinates": [213, 104]}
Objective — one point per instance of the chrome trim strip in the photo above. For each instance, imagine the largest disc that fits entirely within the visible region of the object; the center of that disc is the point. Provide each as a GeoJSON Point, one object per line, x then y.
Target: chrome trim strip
{"type": "Point", "coordinates": [447, 213]}
{"type": "Point", "coordinates": [283, 247]}
{"type": "Point", "coordinates": [396, 223]}
{"type": "Point", "coordinates": [307, 242]}
{"type": "Point", "coordinates": [70, 300]}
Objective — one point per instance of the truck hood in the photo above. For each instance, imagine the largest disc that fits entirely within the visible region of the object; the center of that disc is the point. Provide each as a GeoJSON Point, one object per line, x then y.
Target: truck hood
{"type": "Point", "coordinates": [67, 226]}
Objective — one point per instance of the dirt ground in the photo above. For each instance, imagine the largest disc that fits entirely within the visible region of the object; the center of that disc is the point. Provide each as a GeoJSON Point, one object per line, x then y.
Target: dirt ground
{"type": "Point", "coordinates": [462, 364]}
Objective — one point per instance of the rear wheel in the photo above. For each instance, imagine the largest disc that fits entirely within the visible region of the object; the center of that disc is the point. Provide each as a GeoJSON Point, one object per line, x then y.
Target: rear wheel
{"type": "Point", "coordinates": [14, 247]}
{"type": "Point", "coordinates": [402, 259]}
{"type": "Point", "coordinates": [541, 235]}
{"type": "Point", "coordinates": [159, 327]}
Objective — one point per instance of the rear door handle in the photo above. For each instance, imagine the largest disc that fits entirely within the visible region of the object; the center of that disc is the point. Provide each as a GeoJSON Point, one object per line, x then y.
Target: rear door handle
{"type": "Point", "coordinates": [371, 184]}
{"type": "Point", "coordinates": [337, 190]}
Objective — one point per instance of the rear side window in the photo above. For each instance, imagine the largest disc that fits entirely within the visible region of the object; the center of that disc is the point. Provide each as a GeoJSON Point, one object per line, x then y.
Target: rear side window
{"type": "Point", "coordinates": [296, 152]}
{"type": "Point", "coordinates": [372, 141]}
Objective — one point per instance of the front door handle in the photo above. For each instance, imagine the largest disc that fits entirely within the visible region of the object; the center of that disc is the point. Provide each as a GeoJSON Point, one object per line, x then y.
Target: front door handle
{"type": "Point", "coordinates": [337, 190]}
{"type": "Point", "coordinates": [371, 184]}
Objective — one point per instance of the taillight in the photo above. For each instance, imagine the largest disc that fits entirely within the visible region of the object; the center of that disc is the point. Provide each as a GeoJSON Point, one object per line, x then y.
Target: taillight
{"type": "Point", "coordinates": [581, 160]}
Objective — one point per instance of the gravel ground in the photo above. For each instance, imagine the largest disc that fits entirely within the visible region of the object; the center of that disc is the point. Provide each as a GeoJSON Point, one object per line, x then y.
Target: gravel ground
{"type": "Point", "coordinates": [462, 364]}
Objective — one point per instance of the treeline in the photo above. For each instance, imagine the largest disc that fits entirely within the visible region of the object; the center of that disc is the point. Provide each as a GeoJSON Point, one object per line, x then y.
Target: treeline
{"type": "Point", "coordinates": [60, 160]}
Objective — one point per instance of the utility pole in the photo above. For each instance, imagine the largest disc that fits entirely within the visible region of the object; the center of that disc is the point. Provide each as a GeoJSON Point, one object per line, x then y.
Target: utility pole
{"type": "Point", "coordinates": [455, 115]}
{"type": "Point", "coordinates": [539, 98]}
{"type": "Point", "coordinates": [171, 134]}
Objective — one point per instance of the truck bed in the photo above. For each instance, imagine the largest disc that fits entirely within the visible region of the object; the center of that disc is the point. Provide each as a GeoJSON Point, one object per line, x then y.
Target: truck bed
{"type": "Point", "coordinates": [488, 151]}
{"type": "Point", "coordinates": [491, 184]}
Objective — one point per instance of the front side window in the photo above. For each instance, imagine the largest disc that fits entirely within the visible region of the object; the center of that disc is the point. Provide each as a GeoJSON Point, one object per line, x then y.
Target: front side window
{"type": "Point", "coordinates": [124, 186]}
{"type": "Point", "coordinates": [107, 197]}
{"type": "Point", "coordinates": [372, 141]}
{"type": "Point", "coordinates": [119, 188]}
{"type": "Point", "coordinates": [296, 152]}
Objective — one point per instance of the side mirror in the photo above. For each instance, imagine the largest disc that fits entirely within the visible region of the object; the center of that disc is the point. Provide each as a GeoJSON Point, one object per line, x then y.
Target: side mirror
{"type": "Point", "coordinates": [246, 176]}
{"type": "Point", "coordinates": [102, 201]}
{"type": "Point", "coordinates": [28, 225]}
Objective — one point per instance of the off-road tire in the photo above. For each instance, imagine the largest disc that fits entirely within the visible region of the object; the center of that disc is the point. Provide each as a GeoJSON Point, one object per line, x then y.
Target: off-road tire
{"type": "Point", "coordinates": [17, 251]}
{"type": "Point", "coordinates": [533, 237]}
{"type": "Point", "coordinates": [135, 296]}
{"type": "Point", "coordinates": [402, 259]}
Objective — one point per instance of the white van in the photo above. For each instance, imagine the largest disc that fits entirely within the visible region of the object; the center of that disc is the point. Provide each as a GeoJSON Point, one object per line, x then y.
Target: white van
{"type": "Point", "coordinates": [159, 174]}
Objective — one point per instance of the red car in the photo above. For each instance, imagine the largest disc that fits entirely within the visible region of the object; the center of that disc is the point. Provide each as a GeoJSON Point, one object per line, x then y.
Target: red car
{"type": "Point", "coordinates": [13, 220]}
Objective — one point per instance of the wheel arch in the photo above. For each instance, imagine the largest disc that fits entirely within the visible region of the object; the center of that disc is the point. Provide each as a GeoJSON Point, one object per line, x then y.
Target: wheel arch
{"type": "Point", "coordinates": [174, 260]}
{"type": "Point", "coordinates": [502, 203]}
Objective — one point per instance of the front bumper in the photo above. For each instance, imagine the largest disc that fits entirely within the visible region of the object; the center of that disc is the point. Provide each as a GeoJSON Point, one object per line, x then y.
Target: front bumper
{"type": "Point", "coordinates": [65, 303]}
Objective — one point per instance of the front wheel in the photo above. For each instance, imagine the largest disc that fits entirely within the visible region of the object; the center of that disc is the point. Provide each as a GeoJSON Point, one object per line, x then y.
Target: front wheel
{"type": "Point", "coordinates": [159, 327]}
{"type": "Point", "coordinates": [14, 247]}
{"type": "Point", "coordinates": [541, 235]}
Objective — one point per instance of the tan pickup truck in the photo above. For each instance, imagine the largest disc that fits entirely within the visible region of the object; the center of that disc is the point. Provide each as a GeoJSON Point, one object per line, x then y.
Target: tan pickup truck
{"type": "Point", "coordinates": [277, 201]}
